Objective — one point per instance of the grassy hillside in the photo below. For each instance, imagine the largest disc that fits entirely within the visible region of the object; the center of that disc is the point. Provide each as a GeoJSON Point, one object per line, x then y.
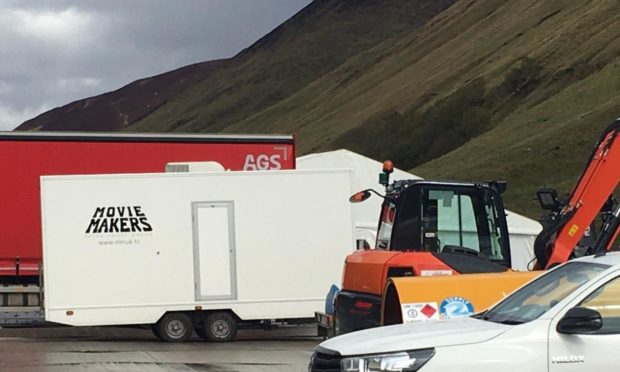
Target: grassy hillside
{"type": "Point", "coordinates": [116, 110]}
{"type": "Point", "coordinates": [547, 82]}
{"type": "Point", "coordinates": [454, 89]}
{"type": "Point", "coordinates": [303, 50]}
{"type": "Point", "coordinates": [543, 138]}
{"type": "Point", "coordinates": [543, 144]}
{"type": "Point", "coordinates": [210, 96]}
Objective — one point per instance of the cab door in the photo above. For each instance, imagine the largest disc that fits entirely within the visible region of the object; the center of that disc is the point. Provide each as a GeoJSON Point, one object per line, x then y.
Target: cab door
{"type": "Point", "coordinates": [598, 351]}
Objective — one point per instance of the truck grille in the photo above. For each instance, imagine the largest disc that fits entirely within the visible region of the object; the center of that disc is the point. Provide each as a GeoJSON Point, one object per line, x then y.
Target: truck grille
{"type": "Point", "coordinates": [324, 363]}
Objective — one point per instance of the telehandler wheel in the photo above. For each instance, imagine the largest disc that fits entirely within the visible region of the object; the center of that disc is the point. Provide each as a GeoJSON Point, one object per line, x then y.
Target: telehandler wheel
{"type": "Point", "coordinates": [219, 327]}
{"type": "Point", "coordinates": [174, 327]}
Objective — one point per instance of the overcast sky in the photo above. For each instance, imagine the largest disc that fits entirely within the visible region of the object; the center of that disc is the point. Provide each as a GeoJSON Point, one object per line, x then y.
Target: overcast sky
{"type": "Point", "coordinates": [53, 52]}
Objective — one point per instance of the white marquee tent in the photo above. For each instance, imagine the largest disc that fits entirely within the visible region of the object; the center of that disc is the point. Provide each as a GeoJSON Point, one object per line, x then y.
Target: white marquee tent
{"type": "Point", "coordinates": [522, 230]}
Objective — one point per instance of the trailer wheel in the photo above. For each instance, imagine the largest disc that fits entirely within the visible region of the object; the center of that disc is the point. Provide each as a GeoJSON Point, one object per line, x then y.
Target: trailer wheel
{"type": "Point", "coordinates": [174, 327]}
{"type": "Point", "coordinates": [219, 327]}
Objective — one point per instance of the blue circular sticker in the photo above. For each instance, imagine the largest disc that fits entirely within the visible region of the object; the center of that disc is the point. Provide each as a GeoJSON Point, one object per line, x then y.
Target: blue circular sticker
{"type": "Point", "coordinates": [456, 307]}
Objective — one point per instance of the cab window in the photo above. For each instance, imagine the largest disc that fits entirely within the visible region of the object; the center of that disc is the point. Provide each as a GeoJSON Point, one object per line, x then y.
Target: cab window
{"type": "Point", "coordinates": [450, 218]}
{"type": "Point", "coordinates": [454, 220]}
{"type": "Point", "coordinates": [388, 211]}
{"type": "Point", "coordinates": [606, 300]}
{"type": "Point", "coordinates": [406, 235]}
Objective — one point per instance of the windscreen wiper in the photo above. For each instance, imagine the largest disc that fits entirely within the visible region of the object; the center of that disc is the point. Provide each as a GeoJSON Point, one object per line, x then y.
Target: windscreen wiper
{"type": "Point", "coordinates": [511, 322]}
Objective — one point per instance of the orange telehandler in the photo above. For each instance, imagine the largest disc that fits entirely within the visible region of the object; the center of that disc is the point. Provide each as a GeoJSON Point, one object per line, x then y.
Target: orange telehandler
{"type": "Point", "coordinates": [430, 232]}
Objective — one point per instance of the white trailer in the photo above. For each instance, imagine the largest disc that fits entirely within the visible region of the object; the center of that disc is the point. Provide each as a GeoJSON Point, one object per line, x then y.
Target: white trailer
{"type": "Point", "coordinates": [184, 251]}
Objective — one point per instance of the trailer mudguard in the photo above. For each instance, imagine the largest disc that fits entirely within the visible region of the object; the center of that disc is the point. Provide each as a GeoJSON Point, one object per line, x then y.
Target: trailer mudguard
{"type": "Point", "coordinates": [419, 299]}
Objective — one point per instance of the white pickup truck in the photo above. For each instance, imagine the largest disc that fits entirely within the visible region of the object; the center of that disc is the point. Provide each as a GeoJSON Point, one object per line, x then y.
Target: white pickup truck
{"type": "Point", "coordinates": [565, 320]}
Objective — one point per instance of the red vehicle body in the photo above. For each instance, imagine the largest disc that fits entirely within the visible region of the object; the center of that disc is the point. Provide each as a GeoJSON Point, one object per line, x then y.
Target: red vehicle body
{"type": "Point", "coordinates": [27, 156]}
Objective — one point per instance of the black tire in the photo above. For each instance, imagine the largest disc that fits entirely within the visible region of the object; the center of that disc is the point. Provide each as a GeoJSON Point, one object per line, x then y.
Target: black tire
{"type": "Point", "coordinates": [174, 327]}
{"type": "Point", "coordinates": [219, 327]}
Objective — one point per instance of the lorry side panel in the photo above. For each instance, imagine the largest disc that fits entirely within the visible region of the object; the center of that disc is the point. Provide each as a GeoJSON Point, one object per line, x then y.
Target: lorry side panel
{"type": "Point", "coordinates": [25, 158]}
{"type": "Point", "coordinates": [124, 249]}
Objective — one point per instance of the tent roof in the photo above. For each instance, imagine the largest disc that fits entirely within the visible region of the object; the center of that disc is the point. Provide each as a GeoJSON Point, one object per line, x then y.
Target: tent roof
{"type": "Point", "coordinates": [366, 175]}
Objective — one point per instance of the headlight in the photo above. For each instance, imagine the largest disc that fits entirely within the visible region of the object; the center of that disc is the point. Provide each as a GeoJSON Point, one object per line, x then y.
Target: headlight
{"type": "Point", "coordinates": [405, 361]}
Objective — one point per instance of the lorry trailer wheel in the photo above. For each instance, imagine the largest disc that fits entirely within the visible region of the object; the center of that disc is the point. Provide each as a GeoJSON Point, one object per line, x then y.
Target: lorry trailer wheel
{"type": "Point", "coordinates": [174, 327]}
{"type": "Point", "coordinates": [219, 327]}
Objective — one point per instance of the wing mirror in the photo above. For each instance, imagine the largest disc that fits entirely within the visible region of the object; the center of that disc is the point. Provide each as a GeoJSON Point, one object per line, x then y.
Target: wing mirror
{"type": "Point", "coordinates": [359, 197]}
{"type": "Point", "coordinates": [580, 320]}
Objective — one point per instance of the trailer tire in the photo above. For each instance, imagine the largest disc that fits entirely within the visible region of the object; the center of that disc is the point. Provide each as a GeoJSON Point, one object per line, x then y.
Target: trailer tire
{"type": "Point", "coordinates": [174, 327]}
{"type": "Point", "coordinates": [219, 327]}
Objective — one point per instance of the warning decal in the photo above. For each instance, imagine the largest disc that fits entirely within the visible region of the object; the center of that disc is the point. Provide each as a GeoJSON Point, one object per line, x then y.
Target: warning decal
{"type": "Point", "coordinates": [420, 312]}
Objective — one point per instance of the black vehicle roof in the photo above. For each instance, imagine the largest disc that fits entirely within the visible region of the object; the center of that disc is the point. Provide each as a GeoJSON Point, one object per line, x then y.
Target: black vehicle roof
{"type": "Point", "coordinates": [398, 187]}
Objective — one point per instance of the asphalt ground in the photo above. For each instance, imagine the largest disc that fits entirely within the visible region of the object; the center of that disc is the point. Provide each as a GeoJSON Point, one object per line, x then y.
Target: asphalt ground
{"type": "Point", "coordinates": [123, 349]}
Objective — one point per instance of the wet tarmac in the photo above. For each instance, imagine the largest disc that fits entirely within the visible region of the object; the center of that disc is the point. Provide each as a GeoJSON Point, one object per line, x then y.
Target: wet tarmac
{"type": "Point", "coordinates": [124, 349]}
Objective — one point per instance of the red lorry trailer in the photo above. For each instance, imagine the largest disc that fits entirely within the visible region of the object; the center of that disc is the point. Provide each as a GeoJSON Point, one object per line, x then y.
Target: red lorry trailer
{"type": "Point", "coordinates": [28, 155]}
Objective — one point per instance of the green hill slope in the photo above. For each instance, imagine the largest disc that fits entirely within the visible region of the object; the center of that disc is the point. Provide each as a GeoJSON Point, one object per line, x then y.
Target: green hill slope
{"type": "Point", "coordinates": [305, 48]}
{"type": "Point", "coordinates": [519, 90]}
{"type": "Point", "coordinates": [543, 136]}
{"type": "Point", "coordinates": [210, 96]}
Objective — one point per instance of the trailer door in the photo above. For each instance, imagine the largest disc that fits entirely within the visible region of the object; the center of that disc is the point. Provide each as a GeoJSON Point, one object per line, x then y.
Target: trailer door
{"type": "Point", "coordinates": [214, 251]}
